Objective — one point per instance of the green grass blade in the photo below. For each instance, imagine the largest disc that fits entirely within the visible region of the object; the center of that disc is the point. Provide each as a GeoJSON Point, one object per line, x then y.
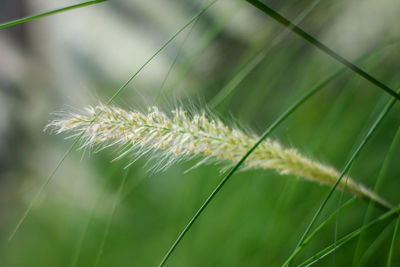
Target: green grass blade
{"type": "Point", "coordinates": [236, 80]}
{"type": "Point", "coordinates": [379, 181]}
{"type": "Point", "coordinates": [348, 165]}
{"type": "Point", "coordinates": [78, 248]}
{"type": "Point", "coordinates": [396, 228]}
{"type": "Point", "coordinates": [108, 226]}
{"type": "Point", "coordinates": [349, 237]}
{"type": "Point", "coordinates": [53, 172]}
{"type": "Point", "coordinates": [275, 124]}
{"type": "Point", "coordinates": [318, 229]}
{"type": "Point", "coordinates": [387, 160]}
{"type": "Point", "coordinates": [375, 246]}
{"type": "Point", "coordinates": [160, 49]}
{"type": "Point", "coordinates": [199, 50]}
{"type": "Point", "coordinates": [300, 32]}
{"type": "Point", "coordinates": [160, 89]}
{"type": "Point", "coordinates": [360, 137]}
{"type": "Point", "coordinates": [38, 194]}
{"type": "Point", "coordinates": [247, 68]}
{"type": "Point", "coordinates": [48, 13]}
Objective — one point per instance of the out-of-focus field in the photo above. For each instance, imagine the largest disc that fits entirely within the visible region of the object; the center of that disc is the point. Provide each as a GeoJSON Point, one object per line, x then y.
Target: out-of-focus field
{"type": "Point", "coordinates": [81, 57]}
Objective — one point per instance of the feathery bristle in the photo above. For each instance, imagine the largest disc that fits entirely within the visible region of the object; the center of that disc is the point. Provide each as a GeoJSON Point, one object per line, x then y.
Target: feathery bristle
{"type": "Point", "coordinates": [184, 137]}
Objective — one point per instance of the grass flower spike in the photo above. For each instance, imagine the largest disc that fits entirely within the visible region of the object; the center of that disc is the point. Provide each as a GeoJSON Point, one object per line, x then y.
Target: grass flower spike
{"type": "Point", "coordinates": [186, 136]}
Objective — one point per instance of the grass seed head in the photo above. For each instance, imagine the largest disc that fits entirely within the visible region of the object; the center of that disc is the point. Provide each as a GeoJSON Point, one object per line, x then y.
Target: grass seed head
{"type": "Point", "coordinates": [183, 137]}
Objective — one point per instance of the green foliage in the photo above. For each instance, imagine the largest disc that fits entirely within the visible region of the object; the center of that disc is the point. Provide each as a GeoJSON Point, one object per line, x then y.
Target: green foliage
{"type": "Point", "coordinates": [259, 217]}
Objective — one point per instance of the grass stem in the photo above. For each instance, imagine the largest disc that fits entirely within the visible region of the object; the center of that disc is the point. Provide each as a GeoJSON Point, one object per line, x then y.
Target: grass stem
{"type": "Point", "coordinates": [274, 125]}
{"type": "Point", "coordinates": [303, 34]}
{"type": "Point", "coordinates": [328, 250]}
{"type": "Point", "coordinates": [348, 165]}
{"type": "Point", "coordinates": [48, 13]}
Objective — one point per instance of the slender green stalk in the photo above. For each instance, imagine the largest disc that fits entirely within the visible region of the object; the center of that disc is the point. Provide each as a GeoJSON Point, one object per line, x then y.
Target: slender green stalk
{"type": "Point", "coordinates": [347, 238]}
{"type": "Point", "coordinates": [318, 229]}
{"type": "Point", "coordinates": [78, 248]}
{"type": "Point", "coordinates": [374, 248]}
{"type": "Point", "coordinates": [53, 172]}
{"type": "Point", "coordinates": [237, 79]}
{"type": "Point", "coordinates": [44, 185]}
{"type": "Point", "coordinates": [360, 137]}
{"type": "Point", "coordinates": [198, 51]}
{"type": "Point", "coordinates": [160, 89]}
{"type": "Point", "coordinates": [162, 48]}
{"type": "Point", "coordinates": [373, 128]}
{"type": "Point", "coordinates": [379, 181]}
{"type": "Point", "coordinates": [48, 13]}
{"type": "Point", "coordinates": [396, 228]}
{"type": "Point", "coordinates": [108, 226]}
{"type": "Point", "coordinates": [249, 66]}
{"type": "Point", "coordinates": [387, 160]}
{"type": "Point", "coordinates": [300, 32]}
{"type": "Point", "coordinates": [217, 189]}
{"type": "Point", "coordinates": [289, 111]}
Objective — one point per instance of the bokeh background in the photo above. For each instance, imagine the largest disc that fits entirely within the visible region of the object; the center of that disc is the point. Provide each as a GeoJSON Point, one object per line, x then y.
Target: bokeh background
{"type": "Point", "coordinates": [81, 57]}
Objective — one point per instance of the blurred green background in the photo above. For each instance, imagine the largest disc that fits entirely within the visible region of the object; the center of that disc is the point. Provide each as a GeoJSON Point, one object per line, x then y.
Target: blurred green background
{"type": "Point", "coordinates": [81, 57]}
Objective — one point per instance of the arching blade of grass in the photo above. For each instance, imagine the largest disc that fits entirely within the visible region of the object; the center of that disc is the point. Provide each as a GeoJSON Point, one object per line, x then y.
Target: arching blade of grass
{"type": "Point", "coordinates": [247, 68]}
{"type": "Point", "coordinates": [53, 172]}
{"type": "Point", "coordinates": [379, 181]}
{"type": "Point", "coordinates": [375, 247]}
{"type": "Point", "coordinates": [160, 89]}
{"type": "Point", "coordinates": [236, 80]}
{"type": "Point", "coordinates": [320, 227]}
{"type": "Point", "coordinates": [390, 255]}
{"type": "Point", "coordinates": [360, 137]}
{"type": "Point", "coordinates": [347, 238]}
{"type": "Point", "coordinates": [300, 32]}
{"type": "Point", "coordinates": [335, 114]}
{"type": "Point", "coordinates": [114, 207]}
{"type": "Point", "coordinates": [275, 124]}
{"type": "Point", "coordinates": [78, 248]}
{"type": "Point", "coordinates": [39, 193]}
{"type": "Point", "coordinates": [336, 227]}
{"type": "Point", "coordinates": [348, 165]}
{"type": "Point", "coordinates": [162, 48]}
{"type": "Point", "coordinates": [268, 131]}
{"type": "Point", "coordinates": [48, 13]}
{"type": "Point", "coordinates": [220, 25]}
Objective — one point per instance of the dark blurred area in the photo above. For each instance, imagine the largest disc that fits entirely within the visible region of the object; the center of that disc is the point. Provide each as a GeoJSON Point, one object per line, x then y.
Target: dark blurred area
{"type": "Point", "coordinates": [10, 93]}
